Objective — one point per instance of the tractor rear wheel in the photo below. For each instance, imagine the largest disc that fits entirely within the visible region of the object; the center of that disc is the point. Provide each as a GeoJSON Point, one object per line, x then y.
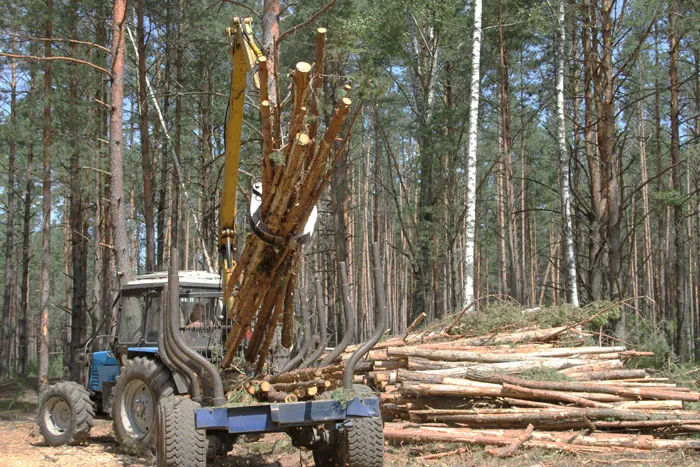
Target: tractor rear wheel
{"type": "Point", "coordinates": [141, 383]}
{"type": "Point", "coordinates": [179, 443]}
{"type": "Point", "coordinates": [65, 414]}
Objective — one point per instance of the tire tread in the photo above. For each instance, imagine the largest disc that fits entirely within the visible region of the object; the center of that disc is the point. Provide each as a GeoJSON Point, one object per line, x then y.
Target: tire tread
{"type": "Point", "coordinates": [180, 444]}
{"type": "Point", "coordinates": [82, 413]}
{"type": "Point", "coordinates": [158, 377]}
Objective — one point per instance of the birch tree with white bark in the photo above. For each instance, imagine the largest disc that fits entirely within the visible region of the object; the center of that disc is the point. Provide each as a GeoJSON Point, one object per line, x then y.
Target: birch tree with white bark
{"type": "Point", "coordinates": [470, 218]}
{"type": "Point", "coordinates": [564, 162]}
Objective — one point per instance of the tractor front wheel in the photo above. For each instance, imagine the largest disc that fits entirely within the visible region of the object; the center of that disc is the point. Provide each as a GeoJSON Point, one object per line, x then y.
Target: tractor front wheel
{"type": "Point", "coordinates": [65, 414]}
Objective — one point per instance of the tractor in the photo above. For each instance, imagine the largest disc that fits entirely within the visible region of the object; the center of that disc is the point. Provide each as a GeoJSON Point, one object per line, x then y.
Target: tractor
{"type": "Point", "coordinates": [157, 375]}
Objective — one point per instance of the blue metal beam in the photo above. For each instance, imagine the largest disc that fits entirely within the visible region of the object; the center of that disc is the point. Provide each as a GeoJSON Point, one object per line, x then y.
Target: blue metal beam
{"type": "Point", "coordinates": [279, 417]}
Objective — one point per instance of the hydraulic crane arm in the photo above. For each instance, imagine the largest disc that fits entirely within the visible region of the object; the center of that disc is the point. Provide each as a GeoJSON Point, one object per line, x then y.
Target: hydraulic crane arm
{"type": "Point", "coordinates": [244, 54]}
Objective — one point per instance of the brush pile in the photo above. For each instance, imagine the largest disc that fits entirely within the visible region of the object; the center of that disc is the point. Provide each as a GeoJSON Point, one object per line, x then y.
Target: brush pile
{"type": "Point", "coordinates": [295, 170]}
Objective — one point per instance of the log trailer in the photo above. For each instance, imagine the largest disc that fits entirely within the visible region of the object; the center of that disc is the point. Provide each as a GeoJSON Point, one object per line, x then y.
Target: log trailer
{"type": "Point", "coordinates": [157, 378]}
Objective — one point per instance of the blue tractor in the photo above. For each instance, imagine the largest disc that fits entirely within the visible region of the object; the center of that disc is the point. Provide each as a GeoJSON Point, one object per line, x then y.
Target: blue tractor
{"type": "Point", "coordinates": [158, 376]}
{"type": "Point", "coordinates": [158, 382]}
{"type": "Point", "coordinates": [126, 376]}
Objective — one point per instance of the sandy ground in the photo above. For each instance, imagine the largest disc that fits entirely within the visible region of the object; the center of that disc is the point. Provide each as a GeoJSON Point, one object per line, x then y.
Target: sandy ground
{"type": "Point", "coordinates": [21, 444]}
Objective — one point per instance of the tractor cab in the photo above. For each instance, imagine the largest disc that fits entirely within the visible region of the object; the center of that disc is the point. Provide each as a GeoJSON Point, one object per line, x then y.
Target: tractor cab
{"type": "Point", "coordinates": [138, 308]}
{"type": "Point", "coordinates": [142, 300]}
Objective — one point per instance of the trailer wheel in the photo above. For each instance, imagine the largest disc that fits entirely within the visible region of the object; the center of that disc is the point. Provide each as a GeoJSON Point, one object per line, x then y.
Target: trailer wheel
{"type": "Point", "coordinates": [65, 414]}
{"type": "Point", "coordinates": [179, 443]}
{"type": "Point", "coordinates": [363, 444]}
{"type": "Point", "coordinates": [359, 445]}
{"type": "Point", "coordinates": [141, 383]}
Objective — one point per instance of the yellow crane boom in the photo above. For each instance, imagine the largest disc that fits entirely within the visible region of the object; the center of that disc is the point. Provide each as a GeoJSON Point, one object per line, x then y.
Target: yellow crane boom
{"type": "Point", "coordinates": [244, 54]}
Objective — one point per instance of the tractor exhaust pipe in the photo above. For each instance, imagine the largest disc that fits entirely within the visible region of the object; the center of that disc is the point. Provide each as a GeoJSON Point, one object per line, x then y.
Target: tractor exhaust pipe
{"type": "Point", "coordinates": [322, 325]}
{"type": "Point", "coordinates": [202, 371]}
{"type": "Point", "coordinates": [380, 299]}
{"type": "Point", "coordinates": [349, 321]}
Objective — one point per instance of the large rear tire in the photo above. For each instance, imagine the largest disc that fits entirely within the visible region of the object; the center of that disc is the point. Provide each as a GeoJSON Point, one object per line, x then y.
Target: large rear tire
{"type": "Point", "coordinates": [360, 444]}
{"type": "Point", "coordinates": [179, 443]}
{"type": "Point", "coordinates": [141, 383]}
{"type": "Point", "coordinates": [364, 443]}
{"type": "Point", "coordinates": [66, 414]}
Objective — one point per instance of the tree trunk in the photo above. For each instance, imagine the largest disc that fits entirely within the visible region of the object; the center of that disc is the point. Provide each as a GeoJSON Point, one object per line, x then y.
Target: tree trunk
{"type": "Point", "coordinates": [679, 261]}
{"type": "Point", "coordinates": [470, 250]}
{"type": "Point", "coordinates": [77, 226]}
{"type": "Point", "coordinates": [23, 325]}
{"type": "Point", "coordinates": [610, 157]}
{"type": "Point", "coordinates": [647, 253]}
{"type": "Point", "coordinates": [564, 166]}
{"type": "Point", "coordinates": [695, 252]}
{"type": "Point", "coordinates": [163, 190]}
{"type": "Point", "coordinates": [175, 213]}
{"type": "Point", "coordinates": [662, 279]}
{"type": "Point", "coordinates": [146, 163]}
{"type": "Point", "coordinates": [512, 247]}
{"type": "Point", "coordinates": [116, 148]}
{"type": "Point", "coordinates": [5, 345]}
{"type": "Point", "coordinates": [101, 300]}
{"type": "Point", "coordinates": [46, 209]}
{"type": "Point", "coordinates": [595, 249]}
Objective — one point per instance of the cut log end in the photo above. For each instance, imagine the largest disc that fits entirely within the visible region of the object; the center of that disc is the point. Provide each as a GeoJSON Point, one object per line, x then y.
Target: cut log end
{"type": "Point", "coordinates": [303, 67]}
{"type": "Point", "coordinates": [321, 30]}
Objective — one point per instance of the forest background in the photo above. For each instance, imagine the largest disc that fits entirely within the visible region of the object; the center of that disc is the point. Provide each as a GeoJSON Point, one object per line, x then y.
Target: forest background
{"type": "Point", "coordinates": [580, 187]}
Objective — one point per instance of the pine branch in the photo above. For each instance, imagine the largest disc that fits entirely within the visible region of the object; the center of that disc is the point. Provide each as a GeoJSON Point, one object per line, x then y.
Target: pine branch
{"type": "Point", "coordinates": [57, 58]}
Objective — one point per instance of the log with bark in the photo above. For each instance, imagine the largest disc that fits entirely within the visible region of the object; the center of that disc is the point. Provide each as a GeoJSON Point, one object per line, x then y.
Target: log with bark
{"type": "Point", "coordinates": [296, 168]}
{"type": "Point", "coordinates": [562, 441]}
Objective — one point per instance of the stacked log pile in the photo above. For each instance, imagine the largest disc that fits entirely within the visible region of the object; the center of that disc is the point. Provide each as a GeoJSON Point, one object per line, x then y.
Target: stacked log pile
{"type": "Point", "coordinates": [296, 167]}
{"type": "Point", "coordinates": [486, 390]}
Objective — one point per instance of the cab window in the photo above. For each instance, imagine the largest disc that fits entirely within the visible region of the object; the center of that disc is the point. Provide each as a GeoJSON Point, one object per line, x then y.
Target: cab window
{"type": "Point", "coordinates": [131, 322]}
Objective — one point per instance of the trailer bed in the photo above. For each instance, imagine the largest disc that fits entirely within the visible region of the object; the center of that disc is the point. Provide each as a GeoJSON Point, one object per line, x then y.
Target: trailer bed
{"type": "Point", "coordinates": [282, 416]}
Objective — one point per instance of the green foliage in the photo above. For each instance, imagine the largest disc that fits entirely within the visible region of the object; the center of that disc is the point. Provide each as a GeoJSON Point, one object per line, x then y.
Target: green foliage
{"type": "Point", "coordinates": [342, 396]}
{"type": "Point", "coordinates": [56, 366]}
{"type": "Point", "coordinates": [17, 394]}
{"type": "Point", "coordinates": [33, 368]}
{"type": "Point", "coordinates": [240, 397]}
{"type": "Point", "coordinates": [602, 313]}
{"type": "Point", "coordinates": [277, 157]}
{"type": "Point", "coordinates": [505, 316]}
{"type": "Point", "coordinates": [543, 374]}
{"type": "Point", "coordinates": [643, 335]}
{"type": "Point", "coordinates": [671, 198]}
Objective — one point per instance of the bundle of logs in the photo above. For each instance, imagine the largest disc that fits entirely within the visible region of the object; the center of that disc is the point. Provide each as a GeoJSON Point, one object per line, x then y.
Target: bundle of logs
{"type": "Point", "coordinates": [295, 170]}
{"type": "Point", "coordinates": [532, 388]}
{"type": "Point", "coordinates": [293, 386]}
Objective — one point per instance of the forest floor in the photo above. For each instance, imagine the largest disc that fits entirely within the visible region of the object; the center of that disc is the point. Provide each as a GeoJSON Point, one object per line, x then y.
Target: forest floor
{"type": "Point", "coordinates": [21, 444]}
